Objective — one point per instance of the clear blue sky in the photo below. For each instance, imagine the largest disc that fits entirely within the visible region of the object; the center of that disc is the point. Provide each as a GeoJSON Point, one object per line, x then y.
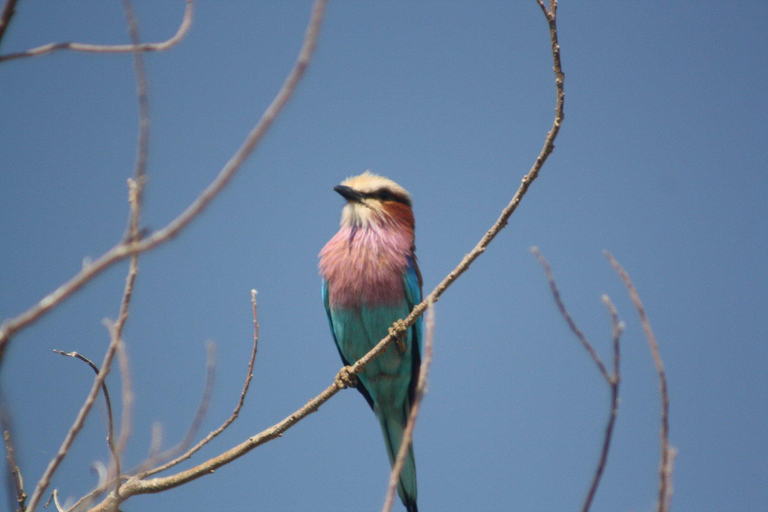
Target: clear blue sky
{"type": "Point", "coordinates": [661, 160]}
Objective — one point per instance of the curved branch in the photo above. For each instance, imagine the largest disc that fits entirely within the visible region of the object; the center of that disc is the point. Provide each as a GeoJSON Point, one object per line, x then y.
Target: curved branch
{"type": "Point", "coordinates": [186, 23]}
{"type": "Point", "coordinates": [135, 485]}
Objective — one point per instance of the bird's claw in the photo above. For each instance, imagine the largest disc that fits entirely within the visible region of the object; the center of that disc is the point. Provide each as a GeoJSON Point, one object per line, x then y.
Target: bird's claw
{"type": "Point", "coordinates": [345, 378]}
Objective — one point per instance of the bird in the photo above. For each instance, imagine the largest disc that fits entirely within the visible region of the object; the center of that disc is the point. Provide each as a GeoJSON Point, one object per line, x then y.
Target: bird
{"type": "Point", "coordinates": [370, 280]}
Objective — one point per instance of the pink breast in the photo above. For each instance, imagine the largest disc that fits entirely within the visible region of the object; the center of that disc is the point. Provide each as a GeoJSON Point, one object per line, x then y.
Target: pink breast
{"type": "Point", "coordinates": [365, 265]}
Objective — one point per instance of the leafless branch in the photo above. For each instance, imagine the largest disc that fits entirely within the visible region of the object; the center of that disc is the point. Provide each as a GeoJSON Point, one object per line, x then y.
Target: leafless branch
{"type": "Point", "coordinates": [613, 381]}
{"type": "Point", "coordinates": [421, 388]}
{"type": "Point", "coordinates": [667, 452]}
{"type": "Point", "coordinates": [126, 248]}
{"type": "Point", "coordinates": [569, 320]}
{"type": "Point", "coordinates": [234, 414]}
{"type": "Point", "coordinates": [137, 485]}
{"type": "Point", "coordinates": [186, 23]}
{"type": "Point", "coordinates": [135, 187]}
{"type": "Point", "coordinates": [105, 391]}
{"type": "Point", "coordinates": [13, 466]}
{"type": "Point", "coordinates": [6, 14]}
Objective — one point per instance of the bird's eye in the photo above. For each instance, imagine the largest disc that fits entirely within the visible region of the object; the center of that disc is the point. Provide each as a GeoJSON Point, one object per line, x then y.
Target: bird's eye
{"type": "Point", "coordinates": [384, 195]}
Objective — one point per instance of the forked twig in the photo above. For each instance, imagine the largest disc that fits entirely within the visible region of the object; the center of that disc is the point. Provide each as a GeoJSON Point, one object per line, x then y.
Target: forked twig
{"type": "Point", "coordinates": [186, 23]}
{"type": "Point", "coordinates": [667, 452]}
{"type": "Point", "coordinates": [613, 381]}
{"type": "Point", "coordinates": [421, 388]}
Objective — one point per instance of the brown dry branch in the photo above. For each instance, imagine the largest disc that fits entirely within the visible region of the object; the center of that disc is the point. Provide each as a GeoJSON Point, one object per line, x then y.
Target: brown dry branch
{"type": "Point", "coordinates": [136, 485]}
{"type": "Point", "coordinates": [421, 389]}
{"type": "Point", "coordinates": [6, 14]}
{"type": "Point", "coordinates": [127, 248]}
{"type": "Point", "coordinates": [105, 391]}
{"type": "Point", "coordinates": [186, 23]}
{"type": "Point", "coordinates": [613, 381]}
{"type": "Point", "coordinates": [135, 187]}
{"type": "Point", "coordinates": [235, 412]}
{"type": "Point", "coordinates": [13, 467]}
{"type": "Point", "coordinates": [667, 452]}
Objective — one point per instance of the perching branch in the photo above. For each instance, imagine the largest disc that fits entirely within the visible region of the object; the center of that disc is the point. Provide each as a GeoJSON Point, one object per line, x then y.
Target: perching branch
{"type": "Point", "coordinates": [186, 23]}
{"type": "Point", "coordinates": [421, 389]}
{"type": "Point", "coordinates": [126, 248]}
{"type": "Point", "coordinates": [136, 485]}
{"type": "Point", "coordinates": [667, 452]}
{"type": "Point", "coordinates": [613, 381]}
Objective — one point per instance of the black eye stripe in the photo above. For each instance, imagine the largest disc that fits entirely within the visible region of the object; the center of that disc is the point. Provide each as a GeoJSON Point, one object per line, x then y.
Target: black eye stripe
{"type": "Point", "coordinates": [391, 196]}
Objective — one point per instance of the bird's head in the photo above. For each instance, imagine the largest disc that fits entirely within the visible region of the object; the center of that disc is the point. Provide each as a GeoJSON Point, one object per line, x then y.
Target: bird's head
{"type": "Point", "coordinates": [374, 200]}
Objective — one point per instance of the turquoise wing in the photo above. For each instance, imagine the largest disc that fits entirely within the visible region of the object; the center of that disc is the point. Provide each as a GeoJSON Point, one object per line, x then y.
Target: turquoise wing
{"type": "Point", "coordinates": [326, 302]}
{"type": "Point", "coordinates": [412, 284]}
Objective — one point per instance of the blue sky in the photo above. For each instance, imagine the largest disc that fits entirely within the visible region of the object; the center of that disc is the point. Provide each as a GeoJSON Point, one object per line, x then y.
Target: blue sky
{"type": "Point", "coordinates": [661, 160]}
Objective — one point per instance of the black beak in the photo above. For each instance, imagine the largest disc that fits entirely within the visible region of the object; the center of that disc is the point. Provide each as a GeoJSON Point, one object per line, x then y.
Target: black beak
{"type": "Point", "coordinates": [348, 193]}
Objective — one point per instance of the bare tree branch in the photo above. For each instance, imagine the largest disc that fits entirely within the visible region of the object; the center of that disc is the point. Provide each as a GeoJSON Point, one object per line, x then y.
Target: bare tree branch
{"type": "Point", "coordinates": [186, 23]}
{"type": "Point", "coordinates": [136, 485]}
{"type": "Point", "coordinates": [126, 248]}
{"type": "Point", "coordinates": [613, 381]}
{"type": "Point", "coordinates": [421, 388]}
{"type": "Point", "coordinates": [13, 466]}
{"type": "Point", "coordinates": [667, 452]}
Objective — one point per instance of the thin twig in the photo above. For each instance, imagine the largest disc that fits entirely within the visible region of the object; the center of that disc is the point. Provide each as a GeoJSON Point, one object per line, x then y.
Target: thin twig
{"type": "Point", "coordinates": [617, 327]}
{"type": "Point", "coordinates": [667, 452]}
{"type": "Point", "coordinates": [136, 485]}
{"type": "Point", "coordinates": [6, 14]}
{"type": "Point", "coordinates": [125, 248]}
{"type": "Point", "coordinates": [13, 466]}
{"type": "Point", "coordinates": [153, 457]}
{"type": "Point", "coordinates": [186, 23]}
{"type": "Point", "coordinates": [235, 412]}
{"type": "Point", "coordinates": [564, 312]}
{"type": "Point", "coordinates": [421, 388]}
{"type": "Point", "coordinates": [105, 391]}
{"type": "Point", "coordinates": [613, 381]}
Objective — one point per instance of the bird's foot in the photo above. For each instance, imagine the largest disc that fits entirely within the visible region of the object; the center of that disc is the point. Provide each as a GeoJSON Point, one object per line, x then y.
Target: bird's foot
{"type": "Point", "coordinates": [398, 330]}
{"type": "Point", "coordinates": [345, 378]}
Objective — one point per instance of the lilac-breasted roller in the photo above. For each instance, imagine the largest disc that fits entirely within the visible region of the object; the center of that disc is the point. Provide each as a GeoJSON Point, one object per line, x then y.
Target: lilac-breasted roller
{"type": "Point", "coordinates": [371, 280]}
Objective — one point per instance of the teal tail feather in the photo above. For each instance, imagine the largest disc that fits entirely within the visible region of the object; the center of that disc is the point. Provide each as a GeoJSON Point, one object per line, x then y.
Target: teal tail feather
{"type": "Point", "coordinates": [392, 428]}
